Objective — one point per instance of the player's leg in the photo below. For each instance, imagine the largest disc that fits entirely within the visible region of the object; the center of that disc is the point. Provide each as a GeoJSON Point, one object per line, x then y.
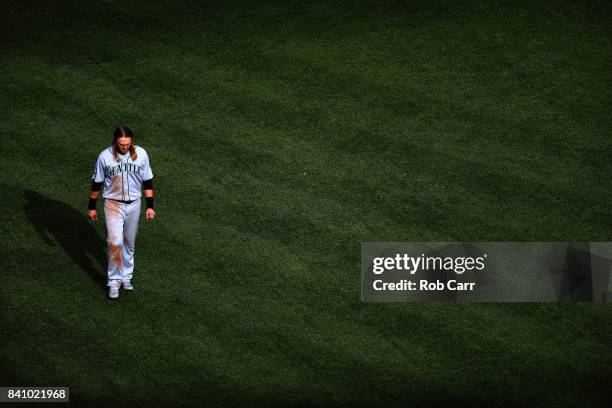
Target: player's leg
{"type": "Point", "coordinates": [130, 229]}
{"type": "Point", "coordinates": [114, 217]}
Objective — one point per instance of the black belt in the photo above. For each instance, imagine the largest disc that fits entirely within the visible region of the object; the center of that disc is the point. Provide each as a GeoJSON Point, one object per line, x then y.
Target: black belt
{"type": "Point", "coordinates": [122, 201]}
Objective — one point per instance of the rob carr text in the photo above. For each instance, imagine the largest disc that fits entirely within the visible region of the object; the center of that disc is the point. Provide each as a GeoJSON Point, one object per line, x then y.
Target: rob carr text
{"type": "Point", "coordinates": [424, 285]}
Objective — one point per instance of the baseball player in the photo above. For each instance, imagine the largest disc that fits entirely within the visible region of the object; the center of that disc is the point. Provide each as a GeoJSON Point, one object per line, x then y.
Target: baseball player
{"type": "Point", "coordinates": [123, 169]}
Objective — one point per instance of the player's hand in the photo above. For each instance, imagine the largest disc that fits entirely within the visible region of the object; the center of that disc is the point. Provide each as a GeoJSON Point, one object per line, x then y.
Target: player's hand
{"type": "Point", "coordinates": [150, 213]}
{"type": "Point", "coordinates": [92, 215]}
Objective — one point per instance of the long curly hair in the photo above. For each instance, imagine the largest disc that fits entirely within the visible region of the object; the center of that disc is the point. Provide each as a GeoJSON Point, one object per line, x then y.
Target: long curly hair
{"type": "Point", "coordinates": [123, 131]}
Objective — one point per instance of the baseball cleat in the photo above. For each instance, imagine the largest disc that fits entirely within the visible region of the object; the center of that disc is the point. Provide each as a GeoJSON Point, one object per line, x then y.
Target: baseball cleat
{"type": "Point", "coordinates": [113, 291]}
{"type": "Point", "coordinates": [127, 285]}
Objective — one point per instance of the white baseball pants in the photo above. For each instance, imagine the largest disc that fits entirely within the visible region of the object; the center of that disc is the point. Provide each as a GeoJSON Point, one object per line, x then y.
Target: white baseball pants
{"type": "Point", "coordinates": [122, 225]}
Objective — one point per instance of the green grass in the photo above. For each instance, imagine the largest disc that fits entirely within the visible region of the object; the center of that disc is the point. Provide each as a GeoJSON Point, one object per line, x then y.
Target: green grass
{"type": "Point", "coordinates": [282, 135]}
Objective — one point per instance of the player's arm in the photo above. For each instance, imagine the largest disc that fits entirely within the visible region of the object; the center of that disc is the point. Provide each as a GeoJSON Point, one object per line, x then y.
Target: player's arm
{"type": "Point", "coordinates": [96, 184]}
{"type": "Point", "coordinates": [147, 186]}
{"type": "Point", "coordinates": [92, 214]}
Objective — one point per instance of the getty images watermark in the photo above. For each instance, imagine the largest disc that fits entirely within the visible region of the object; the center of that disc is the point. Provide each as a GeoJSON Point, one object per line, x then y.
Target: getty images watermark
{"type": "Point", "coordinates": [486, 271]}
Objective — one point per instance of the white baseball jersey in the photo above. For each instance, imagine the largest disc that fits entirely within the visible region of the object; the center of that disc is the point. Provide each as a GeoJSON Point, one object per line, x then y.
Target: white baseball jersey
{"type": "Point", "coordinates": [122, 179]}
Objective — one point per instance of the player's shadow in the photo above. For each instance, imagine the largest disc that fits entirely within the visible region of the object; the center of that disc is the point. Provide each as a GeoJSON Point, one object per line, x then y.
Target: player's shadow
{"type": "Point", "coordinates": [57, 223]}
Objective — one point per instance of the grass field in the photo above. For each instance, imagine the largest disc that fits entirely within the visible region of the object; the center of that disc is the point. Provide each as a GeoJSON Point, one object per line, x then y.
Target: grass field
{"type": "Point", "coordinates": [282, 135]}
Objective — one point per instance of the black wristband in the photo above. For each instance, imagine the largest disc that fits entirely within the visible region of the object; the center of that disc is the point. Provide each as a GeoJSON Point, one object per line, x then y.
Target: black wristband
{"type": "Point", "coordinates": [149, 202]}
{"type": "Point", "coordinates": [92, 203]}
